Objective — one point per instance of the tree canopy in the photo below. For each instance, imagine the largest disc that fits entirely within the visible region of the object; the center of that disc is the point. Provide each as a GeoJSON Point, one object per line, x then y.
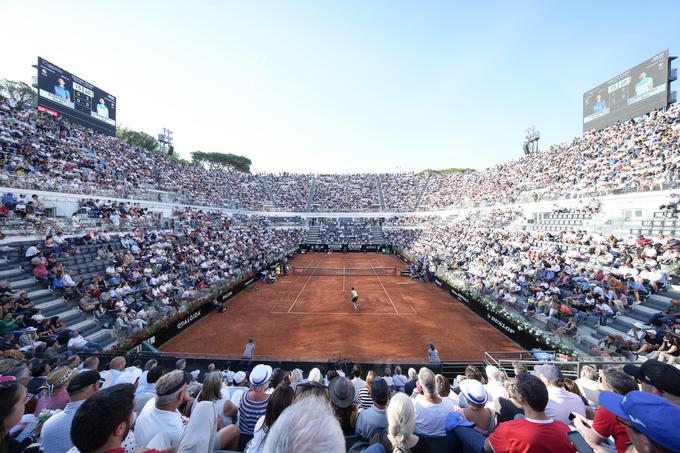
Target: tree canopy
{"type": "Point", "coordinates": [221, 161]}
{"type": "Point", "coordinates": [138, 139]}
{"type": "Point", "coordinates": [19, 92]}
{"type": "Point", "coordinates": [448, 171]}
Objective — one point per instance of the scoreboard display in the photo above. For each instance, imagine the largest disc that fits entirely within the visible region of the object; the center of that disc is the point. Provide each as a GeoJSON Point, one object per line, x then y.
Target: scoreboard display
{"type": "Point", "coordinates": [632, 93]}
{"type": "Point", "coordinates": [60, 92]}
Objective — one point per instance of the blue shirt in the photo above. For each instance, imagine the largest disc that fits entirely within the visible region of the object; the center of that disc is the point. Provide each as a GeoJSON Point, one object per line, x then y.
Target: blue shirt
{"type": "Point", "coordinates": [55, 436]}
{"type": "Point", "coordinates": [62, 92]}
{"type": "Point", "coordinates": [371, 421]}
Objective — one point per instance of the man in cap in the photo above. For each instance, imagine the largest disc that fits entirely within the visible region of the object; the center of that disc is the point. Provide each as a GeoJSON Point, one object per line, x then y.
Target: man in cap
{"type": "Point", "coordinates": [147, 390]}
{"type": "Point", "coordinates": [561, 403]}
{"type": "Point", "coordinates": [657, 378]}
{"type": "Point", "coordinates": [374, 419]}
{"type": "Point", "coordinates": [54, 437]}
{"type": "Point", "coordinates": [161, 414]}
{"type": "Point", "coordinates": [536, 431]}
{"type": "Point", "coordinates": [651, 421]}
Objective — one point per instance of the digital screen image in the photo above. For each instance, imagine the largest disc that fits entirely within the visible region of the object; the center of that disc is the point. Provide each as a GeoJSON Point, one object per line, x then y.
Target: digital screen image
{"type": "Point", "coordinates": [75, 98]}
{"type": "Point", "coordinates": [632, 93]}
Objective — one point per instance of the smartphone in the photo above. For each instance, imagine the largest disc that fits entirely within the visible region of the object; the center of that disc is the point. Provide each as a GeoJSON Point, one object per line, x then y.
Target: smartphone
{"type": "Point", "coordinates": [579, 442]}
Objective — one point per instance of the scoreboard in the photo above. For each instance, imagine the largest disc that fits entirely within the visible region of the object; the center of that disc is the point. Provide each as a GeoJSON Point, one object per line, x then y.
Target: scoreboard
{"type": "Point", "coordinates": [60, 92]}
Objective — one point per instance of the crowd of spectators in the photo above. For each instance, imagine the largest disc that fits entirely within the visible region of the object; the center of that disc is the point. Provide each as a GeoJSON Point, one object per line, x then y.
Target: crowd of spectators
{"type": "Point", "coordinates": [38, 151]}
{"type": "Point", "coordinates": [339, 231]}
{"type": "Point", "coordinates": [92, 407]}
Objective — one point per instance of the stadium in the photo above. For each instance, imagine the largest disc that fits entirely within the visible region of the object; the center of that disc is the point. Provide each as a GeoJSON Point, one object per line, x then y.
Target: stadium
{"type": "Point", "coordinates": [157, 298]}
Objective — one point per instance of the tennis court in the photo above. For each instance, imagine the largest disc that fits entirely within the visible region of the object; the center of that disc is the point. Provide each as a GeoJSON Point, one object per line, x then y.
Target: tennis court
{"type": "Point", "coordinates": [308, 315]}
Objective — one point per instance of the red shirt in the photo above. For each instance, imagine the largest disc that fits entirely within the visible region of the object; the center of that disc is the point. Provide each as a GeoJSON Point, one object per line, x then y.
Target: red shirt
{"type": "Point", "coordinates": [531, 436]}
{"type": "Point", "coordinates": [606, 424]}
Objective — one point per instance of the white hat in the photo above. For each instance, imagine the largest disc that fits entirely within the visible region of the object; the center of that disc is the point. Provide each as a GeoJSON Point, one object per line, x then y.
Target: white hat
{"type": "Point", "coordinates": [260, 375]}
{"type": "Point", "coordinates": [127, 378]}
{"type": "Point", "coordinates": [474, 391]}
{"type": "Point", "coordinates": [239, 377]}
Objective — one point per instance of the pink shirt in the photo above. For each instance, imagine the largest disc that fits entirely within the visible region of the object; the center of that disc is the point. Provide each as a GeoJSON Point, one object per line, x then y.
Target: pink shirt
{"type": "Point", "coordinates": [58, 400]}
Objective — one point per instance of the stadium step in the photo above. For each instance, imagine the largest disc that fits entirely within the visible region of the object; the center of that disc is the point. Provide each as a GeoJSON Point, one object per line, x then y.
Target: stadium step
{"type": "Point", "coordinates": [82, 325]}
{"type": "Point", "coordinates": [13, 271]}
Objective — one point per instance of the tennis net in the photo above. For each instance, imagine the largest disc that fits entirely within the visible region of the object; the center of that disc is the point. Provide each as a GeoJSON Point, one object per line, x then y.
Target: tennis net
{"type": "Point", "coordinates": [344, 271]}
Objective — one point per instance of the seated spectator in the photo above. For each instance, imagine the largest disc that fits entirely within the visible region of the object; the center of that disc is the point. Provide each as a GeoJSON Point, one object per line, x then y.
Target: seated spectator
{"type": "Point", "coordinates": [341, 395]}
{"type": "Point", "coordinates": [161, 414]}
{"type": "Point", "coordinates": [658, 378]}
{"type": "Point", "coordinates": [78, 343]}
{"type": "Point", "coordinates": [537, 431]}
{"type": "Point", "coordinates": [510, 408]}
{"type": "Point", "coordinates": [253, 404]}
{"type": "Point", "coordinates": [12, 400]}
{"type": "Point", "coordinates": [103, 421]}
{"type": "Point", "coordinates": [357, 382]}
{"type": "Point", "coordinates": [374, 419]}
{"type": "Point", "coordinates": [54, 436]}
{"type": "Point", "coordinates": [307, 426]}
{"type": "Point", "coordinates": [55, 395]}
{"type": "Point", "coordinates": [589, 385]}
{"type": "Point", "coordinates": [364, 399]}
{"type": "Point", "coordinates": [561, 403]}
{"type": "Point", "coordinates": [605, 424]}
{"type": "Point", "coordinates": [146, 389]}
{"type": "Point", "coordinates": [431, 409]}
{"type": "Point", "coordinates": [281, 398]}
{"type": "Point", "coordinates": [401, 422]}
{"type": "Point", "coordinates": [651, 421]}
{"type": "Point", "coordinates": [475, 411]}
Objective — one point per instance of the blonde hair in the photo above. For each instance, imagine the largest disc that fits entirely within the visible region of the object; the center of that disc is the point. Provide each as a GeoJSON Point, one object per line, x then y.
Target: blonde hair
{"type": "Point", "coordinates": [212, 387]}
{"type": "Point", "coordinates": [370, 377]}
{"type": "Point", "coordinates": [401, 422]}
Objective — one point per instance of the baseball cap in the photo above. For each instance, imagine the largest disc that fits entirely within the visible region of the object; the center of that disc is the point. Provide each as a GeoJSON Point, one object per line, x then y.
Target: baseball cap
{"type": "Point", "coordinates": [260, 375]}
{"type": "Point", "coordinates": [653, 416]}
{"type": "Point", "coordinates": [341, 391]}
{"type": "Point", "coordinates": [127, 378]}
{"type": "Point", "coordinates": [661, 375]}
{"type": "Point", "coordinates": [549, 371]}
{"type": "Point", "coordinates": [83, 380]}
{"type": "Point", "coordinates": [473, 391]}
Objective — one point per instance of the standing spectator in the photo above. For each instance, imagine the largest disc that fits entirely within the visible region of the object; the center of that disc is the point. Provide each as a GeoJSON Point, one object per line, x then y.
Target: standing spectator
{"type": "Point", "coordinates": [374, 419]}
{"type": "Point", "coordinates": [249, 349]}
{"type": "Point", "coordinates": [54, 436]}
{"type": "Point", "coordinates": [536, 432]}
{"type": "Point", "coordinates": [431, 409]}
{"type": "Point", "coordinates": [433, 354]}
{"type": "Point", "coordinates": [561, 402]}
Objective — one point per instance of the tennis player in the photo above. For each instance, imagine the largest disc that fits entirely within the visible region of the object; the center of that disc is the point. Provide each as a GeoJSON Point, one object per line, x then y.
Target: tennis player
{"type": "Point", "coordinates": [355, 299]}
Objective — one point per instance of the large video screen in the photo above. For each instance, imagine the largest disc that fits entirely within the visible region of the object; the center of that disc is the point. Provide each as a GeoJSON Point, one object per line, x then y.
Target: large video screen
{"type": "Point", "coordinates": [632, 93]}
{"type": "Point", "coordinates": [62, 92]}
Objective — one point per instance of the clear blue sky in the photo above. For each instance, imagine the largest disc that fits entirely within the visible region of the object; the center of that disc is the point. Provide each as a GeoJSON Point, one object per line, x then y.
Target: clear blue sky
{"type": "Point", "coordinates": [321, 86]}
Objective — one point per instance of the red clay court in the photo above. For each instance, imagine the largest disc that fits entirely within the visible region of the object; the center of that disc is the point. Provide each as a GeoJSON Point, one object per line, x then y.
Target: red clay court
{"type": "Point", "coordinates": [310, 317]}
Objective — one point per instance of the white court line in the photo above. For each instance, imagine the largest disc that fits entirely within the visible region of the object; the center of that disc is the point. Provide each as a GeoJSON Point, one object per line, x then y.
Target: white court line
{"type": "Point", "coordinates": [303, 287]}
{"type": "Point", "coordinates": [409, 303]}
{"type": "Point", "coordinates": [383, 287]}
{"type": "Point", "coordinates": [329, 313]}
{"type": "Point", "coordinates": [343, 279]}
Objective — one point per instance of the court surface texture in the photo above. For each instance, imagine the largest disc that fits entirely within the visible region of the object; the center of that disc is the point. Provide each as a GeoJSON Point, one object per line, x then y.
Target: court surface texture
{"type": "Point", "coordinates": [309, 317]}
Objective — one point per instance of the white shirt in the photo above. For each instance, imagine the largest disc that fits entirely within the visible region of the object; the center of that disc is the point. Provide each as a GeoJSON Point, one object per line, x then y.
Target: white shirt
{"type": "Point", "coordinates": [152, 421]}
{"type": "Point", "coordinates": [431, 418]}
{"type": "Point", "coordinates": [77, 342]}
{"type": "Point", "coordinates": [358, 384]}
{"type": "Point", "coordinates": [561, 403]}
{"type": "Point", "coordinates": [258, 437]}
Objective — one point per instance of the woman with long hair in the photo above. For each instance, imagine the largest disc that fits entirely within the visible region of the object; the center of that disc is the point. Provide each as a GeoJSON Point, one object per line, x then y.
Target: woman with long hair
{"type": "Point", "coordinates": [282, 397]}
{"type": "Point", "coordinates": [398, 437]}
{"type": "Point", "coordinates": [12, 396]}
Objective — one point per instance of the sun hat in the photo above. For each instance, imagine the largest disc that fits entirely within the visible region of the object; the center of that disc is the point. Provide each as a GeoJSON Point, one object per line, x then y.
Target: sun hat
{"type": "Point", "coordinates": [341, 391]}
{"type": "Point", "coordinates": [260, 375]}
{"type": "Point", "coordinates": [474, 391]}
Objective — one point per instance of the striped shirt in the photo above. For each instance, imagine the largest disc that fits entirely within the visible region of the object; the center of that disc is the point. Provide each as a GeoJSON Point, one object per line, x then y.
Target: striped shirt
{"type": "Point", "coordinates": [364, 399]}
{"type": "Point", "coordinates": [249, 412]}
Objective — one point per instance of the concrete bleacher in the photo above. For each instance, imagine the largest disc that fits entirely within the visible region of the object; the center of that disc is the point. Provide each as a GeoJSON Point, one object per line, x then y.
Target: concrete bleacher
{"type": "Point", "coordinates": [658, 224]}
{"type": "Point", "coordinates": [560, 221]}
{"type": "Point", "coordinates": [82, 265]}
